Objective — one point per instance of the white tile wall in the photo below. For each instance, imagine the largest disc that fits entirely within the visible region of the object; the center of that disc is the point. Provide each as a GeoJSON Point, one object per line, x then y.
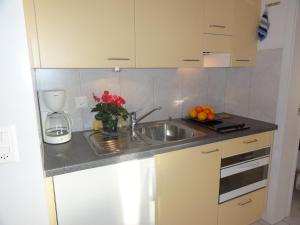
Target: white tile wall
{"type": "Point", "coordinates": [137, 87]}
{"type": "Point", "coordinates": [217, 88]}
{"type": "Point", "coordinates": [194, 83]}
{"type": "Point", "coordinates": [68, 79]}
{"type": "Point", "coordinates": [264, 85]}
{"type": "Point", "coordinates": [237, 91]}
{"type": "Point", "coordinates": [243, 91]}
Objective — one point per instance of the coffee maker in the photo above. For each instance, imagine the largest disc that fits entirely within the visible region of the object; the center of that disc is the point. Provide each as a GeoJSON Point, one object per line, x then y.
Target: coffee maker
{"type": "Point", "coordinates": [56, 123]}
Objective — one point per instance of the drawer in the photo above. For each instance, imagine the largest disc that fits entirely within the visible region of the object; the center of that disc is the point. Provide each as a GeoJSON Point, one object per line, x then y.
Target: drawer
{"type": "Point", "coordinates": [244, 210]}
{"type": "Point", "coordinates": [246, 144]}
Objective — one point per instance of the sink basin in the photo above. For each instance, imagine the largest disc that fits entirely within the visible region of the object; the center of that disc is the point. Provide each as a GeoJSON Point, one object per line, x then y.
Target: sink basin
{"type": "Point", "coordinates": [167, 131]}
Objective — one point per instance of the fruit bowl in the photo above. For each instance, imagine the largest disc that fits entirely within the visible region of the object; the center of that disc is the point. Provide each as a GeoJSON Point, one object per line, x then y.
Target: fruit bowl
{"type": "Point", "coordinates": [202, 114]}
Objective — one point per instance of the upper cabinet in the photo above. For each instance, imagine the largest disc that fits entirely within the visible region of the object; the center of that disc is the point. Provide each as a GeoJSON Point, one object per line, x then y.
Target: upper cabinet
{"type": "Point", "coordinates": [245, 25]}
{"type": "Point", "coordinates": [85, 33]}
{"type": "Point", "coordinates": [140, 33]}
{"type": "Point", "coordinates": [32, 33]}
{"type": "Point", "coordinates": [218, 16]}
{"type": "Point", "coordinates": [169, 33]}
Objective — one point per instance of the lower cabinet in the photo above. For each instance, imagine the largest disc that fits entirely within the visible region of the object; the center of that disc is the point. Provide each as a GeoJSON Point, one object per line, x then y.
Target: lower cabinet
{"type": "Point", "coordinates": [174, 188]}
{"type": "Point", "coordinates": [188, 186]}
{"type": "Point", "coordinates": [244, 210]}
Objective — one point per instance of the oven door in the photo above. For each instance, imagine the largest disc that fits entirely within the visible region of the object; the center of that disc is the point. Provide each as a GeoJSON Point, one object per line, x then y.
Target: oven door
{"type": "Point", "coordinates": [243, 178]}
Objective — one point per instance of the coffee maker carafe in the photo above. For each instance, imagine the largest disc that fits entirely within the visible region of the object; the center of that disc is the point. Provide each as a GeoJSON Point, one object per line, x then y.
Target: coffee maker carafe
{"type": "Point", "coordinates": [56, 123]}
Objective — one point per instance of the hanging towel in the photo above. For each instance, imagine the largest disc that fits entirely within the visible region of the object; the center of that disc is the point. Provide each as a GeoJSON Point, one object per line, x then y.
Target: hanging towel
{"type": "Point", "coordinates": [264, 26]}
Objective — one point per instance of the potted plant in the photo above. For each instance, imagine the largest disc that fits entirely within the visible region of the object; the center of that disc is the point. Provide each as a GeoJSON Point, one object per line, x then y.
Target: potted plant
{"type": "Point", "coordinates": [109, 110]}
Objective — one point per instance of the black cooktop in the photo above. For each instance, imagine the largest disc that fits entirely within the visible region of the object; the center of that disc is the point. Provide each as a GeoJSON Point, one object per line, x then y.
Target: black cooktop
{"type": "Point", "coordinates": [222, 124]}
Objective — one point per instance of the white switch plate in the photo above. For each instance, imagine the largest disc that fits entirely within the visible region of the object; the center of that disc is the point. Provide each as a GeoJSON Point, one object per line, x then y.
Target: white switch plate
{"type": "Point", "coordinates": [81, 102]}
{"type": "Point", "coordinates": [8, 144]}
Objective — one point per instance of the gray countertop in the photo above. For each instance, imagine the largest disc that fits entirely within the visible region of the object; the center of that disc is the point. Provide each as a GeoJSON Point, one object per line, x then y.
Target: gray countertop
{"type": "Point", "coordinates": [77, 154]}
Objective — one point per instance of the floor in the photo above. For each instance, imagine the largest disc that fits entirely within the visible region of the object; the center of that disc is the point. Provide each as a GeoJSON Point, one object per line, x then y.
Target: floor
{"type": "Point", "coordinates": [294, 219]}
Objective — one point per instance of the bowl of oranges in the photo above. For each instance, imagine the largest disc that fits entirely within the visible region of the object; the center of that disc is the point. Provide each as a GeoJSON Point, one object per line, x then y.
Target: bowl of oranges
{"type": "Point", "coordinates": [202, 113]}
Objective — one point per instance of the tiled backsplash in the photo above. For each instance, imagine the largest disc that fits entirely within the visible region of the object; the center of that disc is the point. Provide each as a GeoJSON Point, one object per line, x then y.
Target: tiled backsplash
{"type": "Point", "coordinates": [249, 92]}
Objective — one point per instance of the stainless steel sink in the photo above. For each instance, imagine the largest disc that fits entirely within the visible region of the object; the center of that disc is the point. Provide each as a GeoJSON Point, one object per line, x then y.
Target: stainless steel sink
{"type": "Point", "coordinates": [167, 131]}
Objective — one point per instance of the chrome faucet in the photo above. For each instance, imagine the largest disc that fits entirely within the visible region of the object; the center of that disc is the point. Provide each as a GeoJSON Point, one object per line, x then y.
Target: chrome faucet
{"type": "Point", "coordinates": [134, 121]}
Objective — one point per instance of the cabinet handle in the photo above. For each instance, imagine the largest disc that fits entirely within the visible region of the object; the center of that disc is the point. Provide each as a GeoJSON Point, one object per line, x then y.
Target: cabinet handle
{"type": "Point", "coordinates": [191, 60]}
{"type": "Point", "coordinates": [217, 26]}
{"type": "Point", "coordinates": [250, 142]}
{"type": "Point", "coordinates": [210, 151]}
{"type": "Point", "coordinates": [242, 60]}
{"type": "Point", "coordinates": [118, 59]}
{"type": "Point", "coordinates": [245, 203]}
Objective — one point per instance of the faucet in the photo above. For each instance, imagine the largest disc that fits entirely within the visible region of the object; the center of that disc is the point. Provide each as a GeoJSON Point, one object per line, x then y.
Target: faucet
{"type": "Point", "coordinates": [134, 121]}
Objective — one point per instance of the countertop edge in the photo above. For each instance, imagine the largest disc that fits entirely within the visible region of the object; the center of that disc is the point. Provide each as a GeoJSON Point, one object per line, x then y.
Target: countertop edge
{"type": "Point", "coordinates": [154, 150]}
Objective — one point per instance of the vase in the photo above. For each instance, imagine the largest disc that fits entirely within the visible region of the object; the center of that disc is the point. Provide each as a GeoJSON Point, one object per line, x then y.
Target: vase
{"type": "Point", "coordinates": [97, 124]}
{"type": "Point", "coordinates": [110, 126]}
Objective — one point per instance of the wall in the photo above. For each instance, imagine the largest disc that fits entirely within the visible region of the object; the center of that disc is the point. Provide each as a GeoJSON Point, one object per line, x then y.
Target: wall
{"type": "Point", "coordinates": [277, 31]}
{"type": "Point", "coordinates": [241, 91]}
{"type": "Point", "coordinates": [22, 188]}
{"type": "Point", "coordinates": [297, 64]}
{"type": "Point", "coordinates": [286, 137]}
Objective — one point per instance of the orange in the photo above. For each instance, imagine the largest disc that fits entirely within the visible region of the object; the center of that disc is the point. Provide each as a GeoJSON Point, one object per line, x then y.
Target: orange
{"type": "Point", "coordinates": [207, 111]}
{"type": "Point", "coordinates": [202, 116]}
{"type": "Point", "coordinates": [198, 109]}
{"type": "Point", "coordinates": [192, 113]}
{"type": "Point", "coordinates": [210, 108]}
{"type": "Point", "coordinates": [211, 116]}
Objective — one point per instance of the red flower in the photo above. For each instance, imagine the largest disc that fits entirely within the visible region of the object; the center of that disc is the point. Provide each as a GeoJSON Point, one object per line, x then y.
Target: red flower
{"type": "Point", "coordinates": [107, 98]}
{"type": "Point", "coordinates": [96, 99]}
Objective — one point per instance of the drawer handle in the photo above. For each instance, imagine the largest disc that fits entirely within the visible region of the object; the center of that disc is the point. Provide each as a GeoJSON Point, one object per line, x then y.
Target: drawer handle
{"type": "Point", "coordinates": [191, 60]}
{"type": "Point", "coordinates": [118, 59]}
{"type": "Point", "coordinates": [251, 141]}
{"type": "Point", "coordinates": [210, 151]}
{"type": "Point", "coordinates": [217, 26]}
{"type": "Point", "coordinates": [242, 60]}
{"type": "Point", "coordinates": [245, 203]}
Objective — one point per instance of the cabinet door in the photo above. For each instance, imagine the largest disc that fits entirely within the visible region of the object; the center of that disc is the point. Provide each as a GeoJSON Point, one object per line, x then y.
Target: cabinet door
{"type": "Point", "coordinates": [244, 210]}
{"type": "Point", "coordinates": [218, 16]}
{"type": "Point", "coordinates": [85, 33]}
{"type": "Point", "coordinates": [188, 186]}
{"type": "Point", "coordinates": [169, 33]}
{"type": "Point", "coordinates": [32, 33]}
{"type": "Point", "coordinates": [245, 32]}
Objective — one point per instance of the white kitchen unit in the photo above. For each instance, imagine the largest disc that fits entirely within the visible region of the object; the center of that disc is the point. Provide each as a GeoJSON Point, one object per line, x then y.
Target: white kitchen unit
{"type": "Point", "coordinates": [120, 194]}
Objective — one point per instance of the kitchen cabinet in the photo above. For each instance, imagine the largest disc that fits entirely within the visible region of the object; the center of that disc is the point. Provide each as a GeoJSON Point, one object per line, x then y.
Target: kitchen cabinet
{"type": "Point", "coordinates": [32, 36]}
{"type": "Point", "coordinates": [188, 186]}
{"type": "Point", "coordinates": [85, 33]}
{"type": "Point", "coordinates": [169, 33]}
{"type": "Point", "coordinates": [246, 144]}
{"type": "Point", "coordinates": [217, 43]}
{"type": "Point", "coordinates": [51, 201]}
{"type": "Point", "coordinates": [244, 210]}
{"type": "Point", "coordinates": [218, 16]}
{"type": "Point", "coordinates": [246, 20]}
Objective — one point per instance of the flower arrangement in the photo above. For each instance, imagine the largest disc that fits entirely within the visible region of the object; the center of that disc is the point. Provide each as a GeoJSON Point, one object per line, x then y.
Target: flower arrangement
{"type": "Point", "coordinates": [109, 109]}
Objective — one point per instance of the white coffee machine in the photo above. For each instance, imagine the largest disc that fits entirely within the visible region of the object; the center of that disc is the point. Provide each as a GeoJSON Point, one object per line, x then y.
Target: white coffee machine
{"type": "Point", "coordinates": [56, 123]}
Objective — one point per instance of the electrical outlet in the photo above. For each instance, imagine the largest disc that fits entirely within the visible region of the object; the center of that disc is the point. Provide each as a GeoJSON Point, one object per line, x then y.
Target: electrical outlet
{"type": "Point", "coordinates": [8, 145]}
{"type": "Point", "coordinates": [81, 102]}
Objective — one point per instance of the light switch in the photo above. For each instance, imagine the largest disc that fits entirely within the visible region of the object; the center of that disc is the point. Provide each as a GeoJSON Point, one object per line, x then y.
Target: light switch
{"type": "Point", "coordinates": [8, 144]}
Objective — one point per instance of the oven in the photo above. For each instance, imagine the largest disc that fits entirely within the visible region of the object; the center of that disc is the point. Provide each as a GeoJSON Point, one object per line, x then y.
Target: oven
{"type": "Point", "coordinates": [244, 173]}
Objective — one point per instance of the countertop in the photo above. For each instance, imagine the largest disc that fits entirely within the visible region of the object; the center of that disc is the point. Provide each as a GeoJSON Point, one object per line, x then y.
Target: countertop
{"type": "Point", "coordinates": [77, 154]}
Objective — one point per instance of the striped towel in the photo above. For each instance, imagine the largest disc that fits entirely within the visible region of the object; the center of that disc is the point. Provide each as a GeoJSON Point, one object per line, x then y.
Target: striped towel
{"type": "Point", "coordinates": [264, 26]}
